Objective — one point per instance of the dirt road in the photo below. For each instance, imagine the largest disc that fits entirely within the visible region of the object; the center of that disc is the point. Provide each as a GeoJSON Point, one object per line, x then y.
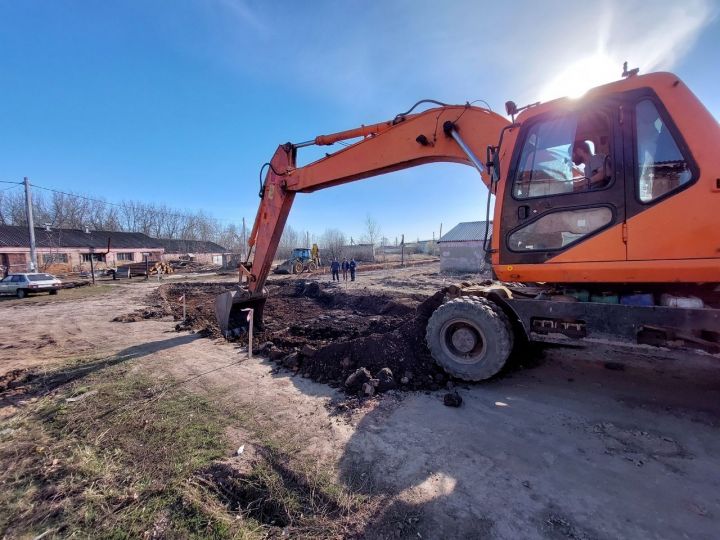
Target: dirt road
{"type": "Point", "coordinates": [563, 447]}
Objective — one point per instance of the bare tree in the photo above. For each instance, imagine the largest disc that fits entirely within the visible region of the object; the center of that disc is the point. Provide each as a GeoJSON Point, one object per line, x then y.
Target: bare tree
{"type": "Point", "coordinates": [14, 208]}
{"type": "Point", "coordinates": [332, 242]}
{"type": "Point", "coordinates": [69, 211]}
{"type": "Point", "coordinates": [230, 239]}
{"type": "Point", "coordinates": [5, 218]}
{"type": "Point", "coordinates": [288, 241]}
{"type": "Point", "coordinates": [372, 230]}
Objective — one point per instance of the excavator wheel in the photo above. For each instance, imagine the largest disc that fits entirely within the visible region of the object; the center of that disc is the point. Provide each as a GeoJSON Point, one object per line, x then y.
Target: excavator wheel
{"type": "Point", "coordinates": [297, 267]}
{"type": "Point", "coordinates": [311, 267]}
{"type": "Point", "coordinates": [470, 338]}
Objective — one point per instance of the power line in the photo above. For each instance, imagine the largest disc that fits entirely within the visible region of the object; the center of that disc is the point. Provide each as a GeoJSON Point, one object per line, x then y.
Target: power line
{"type": "Point", "coordinates": [78, 196]}
{"type": "Point", "coordinates": [118, 205]}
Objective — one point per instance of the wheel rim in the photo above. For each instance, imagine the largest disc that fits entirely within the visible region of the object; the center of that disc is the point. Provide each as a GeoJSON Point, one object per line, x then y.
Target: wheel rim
{"type": "Point", "coordinates": [463, 340]}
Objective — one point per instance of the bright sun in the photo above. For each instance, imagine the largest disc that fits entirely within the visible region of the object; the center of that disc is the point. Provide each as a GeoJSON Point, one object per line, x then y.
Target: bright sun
{"type": "Point", "coordinates": [578, 78]}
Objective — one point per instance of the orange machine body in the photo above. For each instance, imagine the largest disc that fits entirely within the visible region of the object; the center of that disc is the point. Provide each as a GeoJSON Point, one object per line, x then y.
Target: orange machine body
{"type": "Point", "coordinates": [673, 238]}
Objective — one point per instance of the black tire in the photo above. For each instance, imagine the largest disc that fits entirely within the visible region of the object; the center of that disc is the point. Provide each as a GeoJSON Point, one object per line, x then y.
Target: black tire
{"type": "Point", "coordinates": [20, 293]}
{"type": "Point", "coordinates": [297, 267]}
{"type": "Point", "coordinates": [312, 267]}
{"type": "Point", "coordinates": [470, 338]}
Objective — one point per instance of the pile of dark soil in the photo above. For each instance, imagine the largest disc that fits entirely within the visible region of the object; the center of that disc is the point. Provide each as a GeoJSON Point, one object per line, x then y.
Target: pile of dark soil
{"type": "Point", "coordinates": [403, 351]}
{"type": "Point", "coordinates": [199, 304]}
{"type": "Point", "coordinates": [143, 314]}
{"type": "Point", "coordinates": [326, 335]}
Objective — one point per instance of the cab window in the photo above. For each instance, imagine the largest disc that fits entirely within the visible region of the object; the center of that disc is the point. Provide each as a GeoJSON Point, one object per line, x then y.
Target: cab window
{"type": "Point", "coordinates": [661, 167]}
{"type": "Point", "coordinates": [556, 230]}
{"type": "Point", "coordinates": [565, 155]}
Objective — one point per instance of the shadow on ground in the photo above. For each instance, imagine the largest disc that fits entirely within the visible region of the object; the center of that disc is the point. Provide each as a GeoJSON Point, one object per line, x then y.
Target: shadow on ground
{"type": "Point", "coordinates": [19, 385]}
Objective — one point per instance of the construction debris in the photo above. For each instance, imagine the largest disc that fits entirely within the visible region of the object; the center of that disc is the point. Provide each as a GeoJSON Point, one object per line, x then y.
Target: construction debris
{"type": "Point", "coordinates": [143, 314]}
{"type": "Point", "coordinates": [357, 380]}
{"type": "Point", "coordinates": [149, 268]}
{"type": "Point", "coordinates": [452, 399]}
{"type": "Point", "coordinates": [161, 267]}
{"type": "Point", "coordinates": [184, 266]}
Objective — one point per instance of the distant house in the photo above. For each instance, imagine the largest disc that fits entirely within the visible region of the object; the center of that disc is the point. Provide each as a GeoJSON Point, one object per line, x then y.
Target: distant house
{"type": "Point", "coordinates": [68, 250]}
{"type": "Point", "coordinates": [193, 250]}
{"type": "Point", "coordinates": [461, 248]}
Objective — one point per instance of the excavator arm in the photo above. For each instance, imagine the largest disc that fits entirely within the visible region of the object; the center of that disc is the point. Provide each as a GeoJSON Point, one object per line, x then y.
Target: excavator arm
{"type": "Point", "coordinates": [449, 133]}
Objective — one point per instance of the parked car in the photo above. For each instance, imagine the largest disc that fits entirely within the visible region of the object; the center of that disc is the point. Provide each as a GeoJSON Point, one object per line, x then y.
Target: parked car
{"type": "Point", "coordinates": [21, 285]}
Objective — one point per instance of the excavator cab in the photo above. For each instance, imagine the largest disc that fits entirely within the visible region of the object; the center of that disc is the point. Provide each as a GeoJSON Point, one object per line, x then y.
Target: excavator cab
{"type": "Point", "coordinates": [301, 253]}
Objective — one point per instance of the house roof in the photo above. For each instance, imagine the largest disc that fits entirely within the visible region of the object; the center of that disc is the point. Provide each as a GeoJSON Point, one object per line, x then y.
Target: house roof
{"type": "Point", "coordinates": [466, 232]}
{"type": "Point", "coordinates": [18, 236]}
{"type": "Point", "coordinates": [190, 246]}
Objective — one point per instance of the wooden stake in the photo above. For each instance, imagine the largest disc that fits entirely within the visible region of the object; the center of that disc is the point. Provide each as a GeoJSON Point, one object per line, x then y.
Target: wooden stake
{"type": "Point", "coordinates": [251, 312]}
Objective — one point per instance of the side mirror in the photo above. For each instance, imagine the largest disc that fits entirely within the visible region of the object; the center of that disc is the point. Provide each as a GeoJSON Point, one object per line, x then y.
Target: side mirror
{"type": "Point", "coordinates": [510, 108]}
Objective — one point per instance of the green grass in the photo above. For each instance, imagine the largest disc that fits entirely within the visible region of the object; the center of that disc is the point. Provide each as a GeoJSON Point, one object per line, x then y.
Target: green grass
{"type": "Point", "coordinates": [135, 458]}
{"type": "Point", "coordinates": [112, 465]}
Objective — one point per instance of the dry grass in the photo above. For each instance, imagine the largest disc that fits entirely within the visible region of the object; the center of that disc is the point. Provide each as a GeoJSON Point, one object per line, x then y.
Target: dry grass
{"type": "Point", "coordinates": [75, 293]}
{"type": "Point", "coordinates": [134, 459]}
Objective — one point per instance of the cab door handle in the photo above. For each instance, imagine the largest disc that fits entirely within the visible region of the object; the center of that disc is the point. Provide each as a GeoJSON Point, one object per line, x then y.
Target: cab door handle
{"type": "Point", "coordinates": [523, 212]}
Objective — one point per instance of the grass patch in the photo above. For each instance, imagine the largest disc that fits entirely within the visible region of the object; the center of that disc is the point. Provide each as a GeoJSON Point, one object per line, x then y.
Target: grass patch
{"type": "Point", "coordinates": [116, 455]}
{"type": "Point", "coordinates": [112, 465]}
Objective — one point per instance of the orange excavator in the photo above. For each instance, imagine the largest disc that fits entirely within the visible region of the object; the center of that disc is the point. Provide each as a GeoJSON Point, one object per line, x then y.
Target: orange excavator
{"type": "Point", "coordinates": [606, 223]}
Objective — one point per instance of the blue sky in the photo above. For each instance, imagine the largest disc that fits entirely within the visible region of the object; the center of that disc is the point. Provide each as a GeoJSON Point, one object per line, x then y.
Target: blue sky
{"type": "Point", "coordinates": [180, 101]}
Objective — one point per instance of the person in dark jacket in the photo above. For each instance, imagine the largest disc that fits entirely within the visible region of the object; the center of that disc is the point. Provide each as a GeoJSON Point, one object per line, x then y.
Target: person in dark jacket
{"type": "Point", "coordinates": [335, 268]}
{"type": "Point", "coordinates": [352, 266]}
{"type": "Point", "coordinates": [345, 267]}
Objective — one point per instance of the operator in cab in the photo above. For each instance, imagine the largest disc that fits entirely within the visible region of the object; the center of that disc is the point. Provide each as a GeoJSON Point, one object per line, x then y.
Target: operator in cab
{"type": "Point", "coordinates": [597, 174]}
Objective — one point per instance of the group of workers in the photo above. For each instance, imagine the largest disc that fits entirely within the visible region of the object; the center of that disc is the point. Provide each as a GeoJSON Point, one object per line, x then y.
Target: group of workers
{"type": "Point", "coordinates": [346, 267]}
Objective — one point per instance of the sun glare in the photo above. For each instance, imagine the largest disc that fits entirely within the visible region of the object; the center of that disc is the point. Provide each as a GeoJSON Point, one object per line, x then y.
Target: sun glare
{"type": "Point", "coordinates": [578, 78]}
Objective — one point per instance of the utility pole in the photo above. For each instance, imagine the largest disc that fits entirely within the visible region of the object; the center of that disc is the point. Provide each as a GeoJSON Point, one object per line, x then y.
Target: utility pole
{"type": "Point", "coordinates": [92, 265]}
{"type": "Point", "coordinates": [31, 225]}
{"type": "Point", "coordinates": [402, 251]}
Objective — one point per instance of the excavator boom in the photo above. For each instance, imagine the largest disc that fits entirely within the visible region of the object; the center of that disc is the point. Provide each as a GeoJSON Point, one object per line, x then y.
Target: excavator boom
{"type": "Point", "coordinates": [449, 133]}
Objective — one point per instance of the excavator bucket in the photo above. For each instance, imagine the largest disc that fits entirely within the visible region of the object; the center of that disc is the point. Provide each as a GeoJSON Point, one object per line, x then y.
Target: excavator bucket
{"type": "Point", "coordinates": [231, 314]}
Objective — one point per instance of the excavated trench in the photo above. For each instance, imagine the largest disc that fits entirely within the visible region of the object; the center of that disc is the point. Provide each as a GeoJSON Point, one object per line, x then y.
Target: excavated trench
{"type": "Point", "coordinates": [328, 336]}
